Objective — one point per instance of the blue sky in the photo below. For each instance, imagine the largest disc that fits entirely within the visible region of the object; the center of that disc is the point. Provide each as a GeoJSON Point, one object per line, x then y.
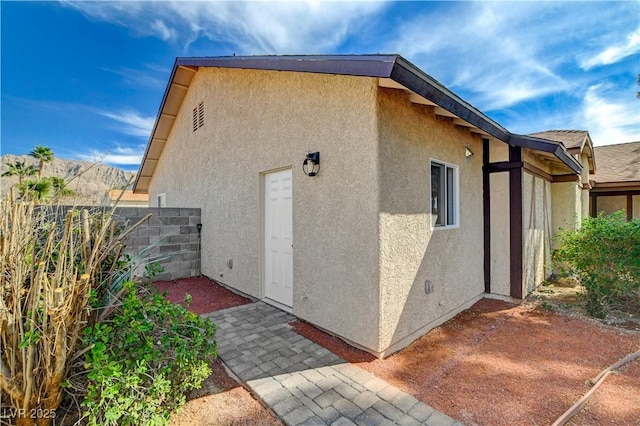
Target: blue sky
{"type": "Point", "coordinates": [87, 78]}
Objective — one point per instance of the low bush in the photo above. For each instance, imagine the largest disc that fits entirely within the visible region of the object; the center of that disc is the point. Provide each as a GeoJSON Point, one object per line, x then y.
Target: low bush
{"type": "Point", "coordinates": [144, 359]}
{"type": "Point", "coordinates": [605, 254]}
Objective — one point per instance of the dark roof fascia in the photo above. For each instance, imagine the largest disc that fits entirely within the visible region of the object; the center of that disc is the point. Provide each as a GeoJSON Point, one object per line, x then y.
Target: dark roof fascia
{"type": "Point", "coordinates": [546, 145]}
{"type": "Point", "coordinates": [354, 65]}
{"type": "Point", "coordinates": [416, 80]}
{"type": "Point", "coordinates": [426, 86]}
{"type": "Point", "coordinates": [157, 120]}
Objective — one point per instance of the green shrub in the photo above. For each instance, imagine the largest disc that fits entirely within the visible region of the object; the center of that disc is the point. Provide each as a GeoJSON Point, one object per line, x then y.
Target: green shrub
{"type": "Point", "coordinates": [144, 360]}
{"type": "Point", "coordinates": [605, 254]}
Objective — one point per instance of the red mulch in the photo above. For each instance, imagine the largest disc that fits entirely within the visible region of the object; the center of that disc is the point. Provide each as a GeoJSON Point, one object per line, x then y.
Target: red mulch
{"type": "Point", "coordinates": [206, 295]}
{"type": "Point", "coordinates": [335, 345]}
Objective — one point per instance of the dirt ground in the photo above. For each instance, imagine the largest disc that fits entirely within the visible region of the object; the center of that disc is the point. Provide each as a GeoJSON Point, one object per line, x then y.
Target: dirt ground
{"type": "Point", "coordinates": [494, 364]}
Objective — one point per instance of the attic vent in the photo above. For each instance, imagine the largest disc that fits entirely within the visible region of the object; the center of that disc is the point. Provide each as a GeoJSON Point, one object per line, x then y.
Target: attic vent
{"type": "Point", "coordinates": [198, 116]}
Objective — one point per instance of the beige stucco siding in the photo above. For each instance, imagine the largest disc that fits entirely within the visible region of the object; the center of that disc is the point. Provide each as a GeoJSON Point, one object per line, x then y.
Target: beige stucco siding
{"type": "Point", "coordinates": [584, 192]}
{"type": "Point", "coordinates": [500, 237]}
{"type": "Point", "coordinates": [536, 223]}
{"type": "Point", "coordinates": [611, 204]}
{"type": "Point", "coordinates": [259, 121]}
{"type": "Point", "coordinates": [636, 206]}
{"type": "Point", "coordinates": [498, 151]}
{"type": "Point", "coordinates": [410, 251]}
{"type": "Point", "coordinates": [566, 202]}
{"type": "Point", "coordinates": [532, 158]}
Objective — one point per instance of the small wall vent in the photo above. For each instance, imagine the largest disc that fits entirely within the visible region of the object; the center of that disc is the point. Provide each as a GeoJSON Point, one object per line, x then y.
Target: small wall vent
{"type": "Point", "coordinates": [198, 116]}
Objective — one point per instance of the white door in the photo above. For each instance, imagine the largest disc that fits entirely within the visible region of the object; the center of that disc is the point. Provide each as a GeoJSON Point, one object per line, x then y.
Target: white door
{"type": "Point", "coordinates": [278, 241]}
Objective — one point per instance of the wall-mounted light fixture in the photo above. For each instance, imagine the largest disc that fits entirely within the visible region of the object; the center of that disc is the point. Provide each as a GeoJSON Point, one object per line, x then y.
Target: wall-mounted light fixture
{"type": "Point", "coordinates": [467, 152]}
{"type": "Point", "coordinates": [311, 164]}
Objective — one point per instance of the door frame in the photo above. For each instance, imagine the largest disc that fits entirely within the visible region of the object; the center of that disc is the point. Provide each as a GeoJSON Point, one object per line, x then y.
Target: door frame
{"type": "Point", "coordinates": [262, 204]}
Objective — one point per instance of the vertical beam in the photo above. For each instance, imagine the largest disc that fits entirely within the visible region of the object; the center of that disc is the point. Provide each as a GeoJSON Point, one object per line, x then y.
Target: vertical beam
{"type": "Point", "coordinates": [486, 214]}
{"type": "Point", "coordinates": [515, 223]}
{"type": "Point", "coordinates": [629, 207]}
{"type": "Point", "coordinates": [594, 205]}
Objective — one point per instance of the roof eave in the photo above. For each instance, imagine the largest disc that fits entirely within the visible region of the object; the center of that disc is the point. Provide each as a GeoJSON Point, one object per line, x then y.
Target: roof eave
{"type": "Point", "coordinates": [546, 145]}
{"type": "Point", "coordinates": [155, 126]}
{"type": "Point", "coordinates": [353, 65]}
{"type": "Point", "coordinates": [411, 77]}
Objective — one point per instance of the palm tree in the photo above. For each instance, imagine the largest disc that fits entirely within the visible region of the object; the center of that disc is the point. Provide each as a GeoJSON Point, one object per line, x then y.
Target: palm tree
{"type": "Point", "coordinates": [18, 168]}
{"type": "Point", "coordinates": [44, 155]}
{"type": "Point", "coordinates": [39, 190]}
{"type": "Point", "coordinates": [60, 186]}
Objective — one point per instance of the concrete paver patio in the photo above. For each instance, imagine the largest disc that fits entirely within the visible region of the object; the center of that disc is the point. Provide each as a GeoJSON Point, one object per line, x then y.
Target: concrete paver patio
{"type": "Point", "coordinates": [304, 383]}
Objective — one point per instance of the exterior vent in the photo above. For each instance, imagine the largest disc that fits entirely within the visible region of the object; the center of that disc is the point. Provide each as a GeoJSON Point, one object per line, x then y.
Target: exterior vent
{"type": "Point", "coordinates": [198, 116]}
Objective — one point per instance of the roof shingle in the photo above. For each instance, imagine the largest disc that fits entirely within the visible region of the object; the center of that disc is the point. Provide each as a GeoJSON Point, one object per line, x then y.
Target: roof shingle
{"type": "Point", "coordinates": [569, 138]}
{"type": "Point", "coordinates": [617, 163]}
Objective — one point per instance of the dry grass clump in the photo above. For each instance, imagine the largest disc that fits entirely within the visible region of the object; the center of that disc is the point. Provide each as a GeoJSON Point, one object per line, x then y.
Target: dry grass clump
{"type": "Point", "coordinates": [52, 261]}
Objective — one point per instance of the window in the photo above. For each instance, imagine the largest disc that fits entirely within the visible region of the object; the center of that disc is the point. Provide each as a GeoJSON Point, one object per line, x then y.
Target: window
{"type": "Point", "coordinates": [162, 200]}
{"type": "Point", "coordinates": [444, 194]}
{"type": "Point", "coordinates": [198, 116]}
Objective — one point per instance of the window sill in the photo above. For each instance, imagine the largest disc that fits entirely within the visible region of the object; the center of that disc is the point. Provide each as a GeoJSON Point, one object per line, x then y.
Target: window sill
{"type": "Point", "coordinates": [443, 228]}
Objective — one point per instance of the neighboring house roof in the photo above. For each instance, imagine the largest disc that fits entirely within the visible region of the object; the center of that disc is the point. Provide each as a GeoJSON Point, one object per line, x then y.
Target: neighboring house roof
{"type": "Point", "coordinates": [569, 138]}
{"type": "Point", "coordinates": [618, 165]}
{"type": "Point", "coordinates": [392, 71]}
{"type": "Point", "coordinates": [128, 195]}
{"type": "Point", "coordinates": [576, 142]}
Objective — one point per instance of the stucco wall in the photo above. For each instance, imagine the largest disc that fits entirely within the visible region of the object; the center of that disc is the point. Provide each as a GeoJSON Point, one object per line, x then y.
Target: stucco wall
{"type": "Point", "coordinates": [611, 204]}
{"type": "Point", "coordinates": [536, 224]}
{"type": "Point", "coordinates": [536, 160]}
{"type": "Point", "coordinates": [636, 206]}
{"type": "Point", "coordinates": [500, 228]}
{"type": "Point", "coordinates": [410, 251]}
{"type": "Point", "coordinates": [259, 121]}
{"type": "Point", "coordinates": [584, 192]}
{"type": "Point", "coordinates": [566, 202]}
{"type": "Point", "coordinates": [498, 151]}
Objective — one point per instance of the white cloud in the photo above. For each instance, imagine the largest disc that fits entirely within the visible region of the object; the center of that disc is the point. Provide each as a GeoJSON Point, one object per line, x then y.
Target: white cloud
{"type": "Point", "coordinates": [496, 51]}
{"type": "Point", "coordinates": [149, 76]}
{"type": "Point", "coordinates": [609, 119]}
{"type": "Point", "coordinates": [119, 155]}
{"type": "Point", "coordinates": [132, 123]}
{"type": "Point", "coordinates": [251, 27]}
{"type": "Point", "coordinates": [614, 53]}
{"type": "Point", "coordinates": [610, 114]}
{"type": "Point", "coordinates": [503, 57]}
{"type": "Point", "coordinates": [159, 27]}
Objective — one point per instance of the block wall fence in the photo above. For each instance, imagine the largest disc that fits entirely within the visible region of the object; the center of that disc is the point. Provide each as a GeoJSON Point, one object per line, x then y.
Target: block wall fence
{"type": "Point", "coordinates": [170, 233]}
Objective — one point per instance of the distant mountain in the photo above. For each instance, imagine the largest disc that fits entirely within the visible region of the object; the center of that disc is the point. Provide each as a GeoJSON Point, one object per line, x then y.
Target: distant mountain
{"type": "Point", "coordinates": [90, 181]}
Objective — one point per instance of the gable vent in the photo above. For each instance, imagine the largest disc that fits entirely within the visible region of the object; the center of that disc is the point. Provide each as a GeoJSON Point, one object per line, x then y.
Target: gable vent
{"type": "Point", "coordinates": [198, 116]}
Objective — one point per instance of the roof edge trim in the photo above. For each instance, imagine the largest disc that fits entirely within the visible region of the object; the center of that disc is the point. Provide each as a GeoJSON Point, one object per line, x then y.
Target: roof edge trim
{"type": "Point", "coordinates": [546, 145]}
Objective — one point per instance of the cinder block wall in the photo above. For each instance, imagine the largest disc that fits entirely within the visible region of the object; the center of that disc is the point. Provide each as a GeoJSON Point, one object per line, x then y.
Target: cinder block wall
{"type": "Point", "coordinates": [170, 233]}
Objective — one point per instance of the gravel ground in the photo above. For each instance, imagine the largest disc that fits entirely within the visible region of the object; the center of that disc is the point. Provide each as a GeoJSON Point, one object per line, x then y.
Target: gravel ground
{"type": "Point", "coordinates": [501, 364]}
{"type": "Point", "coordinates": [494, 364]}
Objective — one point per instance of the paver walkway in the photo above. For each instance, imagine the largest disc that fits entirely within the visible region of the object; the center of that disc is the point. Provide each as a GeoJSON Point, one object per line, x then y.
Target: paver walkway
{"type": "Point", "coordinates": [304, 383]}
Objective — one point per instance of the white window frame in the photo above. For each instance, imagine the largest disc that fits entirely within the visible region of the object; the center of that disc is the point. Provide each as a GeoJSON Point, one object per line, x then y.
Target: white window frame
{"type": "Point", "coordinates": [162, 200]}
{"type": "Point", "coordinates": [456, 194]}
